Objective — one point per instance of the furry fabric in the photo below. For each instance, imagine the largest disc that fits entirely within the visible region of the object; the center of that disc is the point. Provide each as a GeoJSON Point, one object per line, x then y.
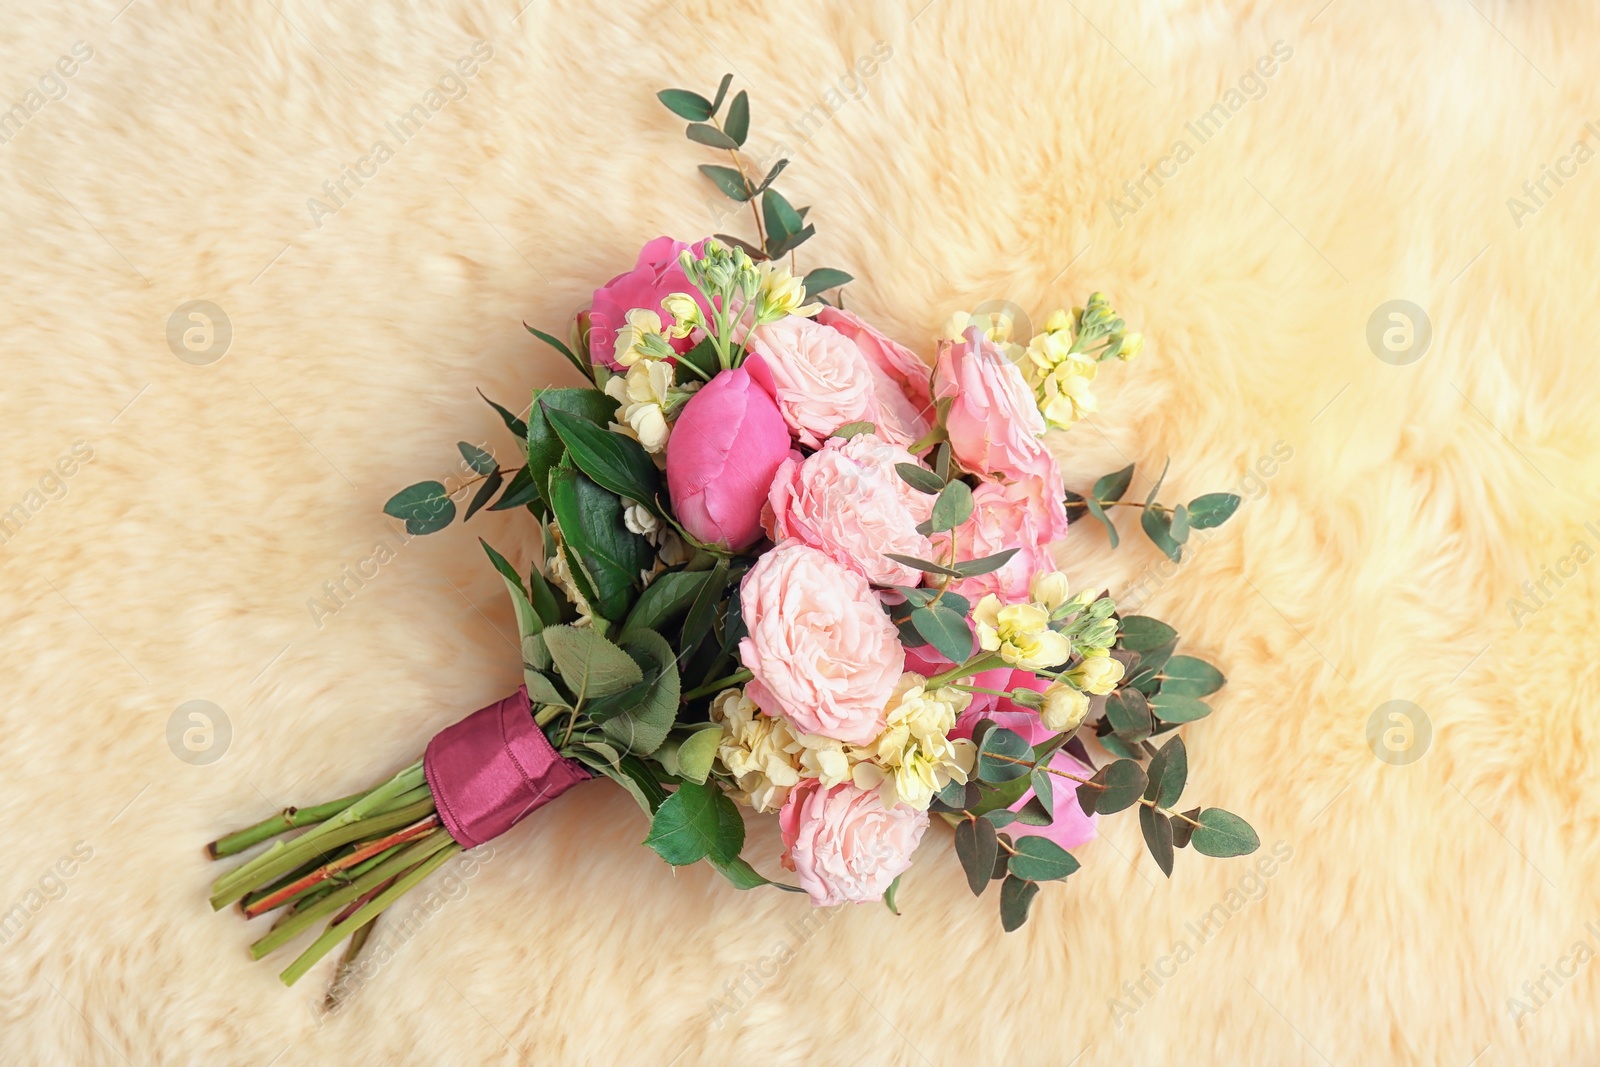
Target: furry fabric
{"type": "Point", "coordinates": [1251, 183]}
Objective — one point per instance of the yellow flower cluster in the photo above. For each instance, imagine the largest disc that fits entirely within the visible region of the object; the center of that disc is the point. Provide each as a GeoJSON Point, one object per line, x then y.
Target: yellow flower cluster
{"type": "Point", "coordinates": [1021, 633]}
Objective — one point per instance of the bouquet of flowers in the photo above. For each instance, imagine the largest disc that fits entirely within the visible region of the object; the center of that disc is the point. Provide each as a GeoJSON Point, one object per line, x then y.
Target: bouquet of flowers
{"type": "Point", "coordinates": [785, 564]}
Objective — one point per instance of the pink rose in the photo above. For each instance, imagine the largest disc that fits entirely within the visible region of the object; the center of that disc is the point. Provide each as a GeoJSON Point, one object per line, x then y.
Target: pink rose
{"type": "Point", "coordinates": [994, 421]}
{"type": "Point", "coordinates": [900, 377]}
{"type": "Point", "coordinates": [843, 844]}
{"type": "Point", "coordinates": [824, 381]}
{"type": "Point", "coordinates": [1027, 514]}
{"type": "Point", "coordinates": [726, 446]}
{"type": "Point", "coordinates": [823, 653]}
{"type": "Point", "coordinates": [656, 274]}
{"type": "Point", "coordinates": [849, 501]}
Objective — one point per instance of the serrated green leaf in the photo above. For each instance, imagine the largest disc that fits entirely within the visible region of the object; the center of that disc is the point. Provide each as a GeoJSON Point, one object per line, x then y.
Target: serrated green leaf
{"type": "Point", "coordinates": [1222, 834]}
{"type": "Point", "coordinates": [613, 461]}
{"type": "Point", "coordinates": [542, 690]}
{"type": "Point", "coordinates": [1173, 708]}
{"type": "Point", "coordinates": [697, 752]}
{"type": "Point", "coordinates": [687, 825]}
{"type": "Point", "coordinates": [544, 599]}
{"type": "Point", "coordinates": [976, 845]}
{"type": "Point", "coordinates": [1139, 633]}
{"type": "Point", "coordinates": [1003, 756]}
{"type": "Point", "coordinates": [1039, 859]}
{"type": "Point", "coordinates": [545, 447]}
{"type": "Point", "coordinates": [1016, 896]}
{"type": "Point", "coordinates": [1190, 677]}
{"type": "Point", "coordinates": [605, 555]}
{"type": "Point", "coordinates": [664, 599]}
{"type": "Point", "coordinates": [687, 105]}
{"type": "Point", "coordinates": [945, 629]}
{"type": "Point", "coordinates": [644, 726]}
{"type": "Point", "coordinates": [703, 612]}
{"type": "Point", "coordinates": [1157, 838]}
{"type": "Point", "coordinates": [730, 181]}
{"type": "Point", "coordinates": [737, 124]}
{"type": "Point", "coordinates": [590, 666]}
{"type": "Point", "coordinates": [426, 507]}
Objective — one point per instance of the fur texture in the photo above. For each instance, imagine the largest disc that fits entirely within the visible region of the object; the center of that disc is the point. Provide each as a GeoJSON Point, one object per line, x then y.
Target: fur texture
{"type": "Point", "coordinates": [1404, 508]}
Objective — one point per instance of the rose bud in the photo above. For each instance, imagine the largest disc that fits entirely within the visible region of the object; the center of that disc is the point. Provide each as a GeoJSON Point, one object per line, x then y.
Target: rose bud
{"type": "Point", "coordinates": [724, 451]}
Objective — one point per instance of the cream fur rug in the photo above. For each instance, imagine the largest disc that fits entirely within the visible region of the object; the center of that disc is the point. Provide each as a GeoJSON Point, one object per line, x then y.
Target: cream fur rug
{"type": "Point", "coordinates": [179, 517]}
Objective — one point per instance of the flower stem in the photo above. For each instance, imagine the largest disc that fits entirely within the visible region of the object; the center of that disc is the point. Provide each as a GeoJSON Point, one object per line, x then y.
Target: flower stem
{"type": "Point", "coordinates": [287, 819]}
{"type": "Point", "coordinates": [711, 688]}
{"type": "Point", "coordinates": [986, 661]}
{"type": "Point", "coordinates": [295, 888]}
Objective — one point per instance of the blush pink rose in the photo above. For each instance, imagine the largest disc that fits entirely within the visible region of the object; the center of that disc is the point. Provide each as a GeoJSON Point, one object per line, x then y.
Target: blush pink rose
{"type": "Point", "coordinates": [825, 381]}
{"type": "Point", "coordinates": [849, 501]}
{"type": "Point", "coordinates": [900, 376]}
{"type": "Point", "coordinates": [823, 653]}
{"type": "Point", "coordinates": [1028, 514]}
{"type": "Point", "coordinates": [728, 442]}
{"type": "Point", "coordinates": [656, 274]}
{"type": "Point", "coordinates": [843, 845]}
{"type": "Point", "coordinates": [994, 422]}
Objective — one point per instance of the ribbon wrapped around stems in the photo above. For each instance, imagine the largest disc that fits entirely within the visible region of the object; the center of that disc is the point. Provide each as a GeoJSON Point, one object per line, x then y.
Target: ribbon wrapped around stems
{"type": "Point", "coordinates": [493, 769]}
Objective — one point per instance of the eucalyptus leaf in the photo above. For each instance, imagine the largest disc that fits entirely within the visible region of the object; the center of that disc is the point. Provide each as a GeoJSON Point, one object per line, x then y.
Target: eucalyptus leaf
{"type": "Point", "coordinates": [953, 506]}
{"type": "Point", "coordinates": [920, 478]}
{"type": "Point", "coordinates": [1190, 677]}
{"type": "Point", "coordinates": [426, 507]}
{"type": "Point", "coordinates": [976, 845]}
{"type": "Point", "coordinates": [480, 461]}
{"type": "Point", "coordinates": [1121, 784]}
{"type": "Point", "coordinates": [1168, 773]}
{"type": "Point", "coordinates": [1004, 755]}
{"type": "Point", "coordinates": [1222, 834]}
{"type": "Point", "coordinates": [737, 124]}
{"type": "Point", "coordinates": [822, 279]}
{"type": "Point", "coordinates": [1173, 708]}
{"type": "Point", "coordinates": [1039, 859]}
{"type": "Point", "coordinates": [1016, 896]}
{"type": "Point", "coordinates": [1140, 633]}
{"type": "Point", "coordinates": [971, 568]}
{"type": "Point", "coordinates": [730, 181]}
{"type": "Point", "coordinates": [686, 105]}
{"type": "Point", "coordinates": [1157, 838]}
{"type": "Point", "coordinates": [945, 629]}
{"type": "Point", "coordinates": [710, 136]}
{"type": "Point", "coordinates": [1212, 510]}
{"type": "Point", "coordinates": [486, 491]}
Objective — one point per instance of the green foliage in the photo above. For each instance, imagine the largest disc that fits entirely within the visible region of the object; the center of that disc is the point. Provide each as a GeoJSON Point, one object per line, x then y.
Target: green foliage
{"type": "Point", "coordinates": [920, 478]}
{"type": "Point", "coordinates": [666, 598]}
{"type": "Point", "coordinates": [583, 366]}
{"type": "Point", "coordinates": [1223, 834]}
{"type": "Point", "coordinates": [1168, 773]}
{"type": "Point", "coordinates": [945, 629]}
{"type": "Point", "coordinates": [1157, 831]}
{"type": "Point", "coordinates": [1003, 755]}
{"type": "Point", "coordinates": [697, 752]}
{"type": "Point", "coordinates": [1212, 510]}
{"type": "Point", "coordinates": [1039, 859]}
{"type": "Point", "coordinates": [615, 462]}
{"type": "Point", "coordinates": [590, 666]}
{"type": "Point", "coordinates": [1140, 632]}
{"type": "Point", "coordinates": [952, 507]}
{"type": "Point", "coordinates": [652, 707]}
{"type": "Point", "coordinates": [1016, 897]}
{"type": "Point", "coordinates": [426, 507]}
{"type": "Point", "coordinates": [695, 822]}
{"type": "Point", "coordinates": [545, 447]}
{"type": "Point", "coordinates": [1190, 677]}
{"type": "Point", "coordinates": [608, 556]}
{"type": "Point", "coordinates": [824, 278]}
{"type": "Point", "coordinates": [976, 845]}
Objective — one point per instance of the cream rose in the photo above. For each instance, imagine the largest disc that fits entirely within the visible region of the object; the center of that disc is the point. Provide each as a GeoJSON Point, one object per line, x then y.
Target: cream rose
{"type": "Point", "coordinates": [848, 501]}
{"type": "Point", "coordinates": [823, 653]}
{"type": "Point", "coordinates": [843, 844]}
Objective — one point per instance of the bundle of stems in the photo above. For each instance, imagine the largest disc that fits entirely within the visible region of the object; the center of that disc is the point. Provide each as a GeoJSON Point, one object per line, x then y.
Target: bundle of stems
{"type": "Point", "coordinates": [357, 856]}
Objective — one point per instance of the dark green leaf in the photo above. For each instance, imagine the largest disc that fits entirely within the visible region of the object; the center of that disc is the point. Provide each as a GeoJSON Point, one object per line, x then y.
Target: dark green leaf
{"type": "Point", "coordinates": [1076, 507]}
{"type": "Point", "coordinates": [711, 136]}
{"type": "Point", "coordinates": [666, 598]}
{"type": "Point", "coordinates": [744, 876]}
{"type": "Point", "coordinates": [1182, 828]}
{"type": "Point", "coordinates": [777, 169]}
{"type": "Point", "coordinates": [618, 463]}
{"type": "Point", "coordinates": [1157, 838]}
{"type": "Point", "coordinates": [1016, 896]}
{"type": "Point", "coordinates": [644, 726]}
{"type": "Point", "coordinates": [704, 357]}
{"type": "Point", "coordinates": [1173, 708]}
{"type": "Point", "coordinates": [545, 600]}
{"type": "Point", "coordinates": [1150, 500]}
{"type": "Point", "coordinates": [777, 249]}
{"type": "Point", "coordinates": [945, 629]}
{"type": "Point", "coordinates": [1105, 520]}
{"type": "Point", "coordinates": [722, 91]}
{"type": "Point", "coordinates": [1223, 834]}
{"type": "Point", "coordinates": [426, 507]}
{"type": "Point", "coordinates": [703, 610]}
{"type": "Point", "coordinates": [1044, 789]}
{"type": "Point", "coordinates": [1117, 747]}
{"type": "Point", "coordinates": [1168, 773]}
{"type": "Point", "coordinates": [520, 492]}
{"type": "Point", "coordinates": [1157, 526]}
{"type": "Point", "coordinates": [687, 105]}
{"type": "Point", "coordinates": [730, 181]}
{"type": "Point", "coordinates": [953, 506]}
{"type": "Point", "coordinates": [591, 666]}
{"type": "Point", "coordinates": [991, 797]}
{"type": "Point", "coordinates": [976, 845]}
{"type": "Point", "coordinates": [545, 447]}
{"type": "Point", "coordinates": [923, 564]}
{"type": "Point", "coordinates": [1179, 530]}
{"type": "Point", "coordinates": [941, 461]}
{"type": "Point", "coordinates": [1140, 633]}
{"type": "Point", "coordinates": [1212, 510]}
{"type": "Point", "coordinates": [737, 124]}
{"type": "Point", "coordinates": [491, 486]}
{"type": "Point", "coordinates": [1129, 714]}
{"type": "Point", "coordinates": [1121, 784]}
{"type": "Point", "coordinates": [1110, 487]}
{"type": "Point", "coordinates": [609, 556]}
{"type": "Point", "coordinates": [1003, 756]}
{"type": "Point", "coordinates": [688, 825]}
{"type": "Point", "coordinates": [583, 366]}
{"type": "Point", "coordinates": [1039, 859]}
{"type": "Point", "coordinates": [480, 461]}
{"type": "Point", "coordinates": [1034, 812]}
{"type": "Point", "coordinates": [920, 478]}
{"type": "Point", "coordinates": [971, 568]}
{"type": "Point", "coordinates": [824, 278]}
{"type": "Point", "coordinates": [514, 424]}
{"type": "Point", "coordinates": [782, 221]}
{"type": "Point", "coordinates": [1189, 677]}
{"type": "Point", "coordinates": [1000, 817]}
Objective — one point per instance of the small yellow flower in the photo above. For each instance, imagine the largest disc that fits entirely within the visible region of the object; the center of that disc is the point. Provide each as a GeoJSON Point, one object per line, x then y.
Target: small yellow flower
{"type": "Point", "coordinates": [1097, 674]}
{"type": "Point", "coordinates": [914, 757]}
{"type": "Point", "coordinates": [781, 294]}
{"type": "Point", "coordinates": [1132, 345]}
{"type": "Point", "coordinates": [1064, 708]}
{"type": "Point", "coordinates": [641, 338]}
{"type": "Point", "coordinates": [643, 394]}
{"type": "Point", "coordinates": [1020, 633]}
{"type": "Point", "coordinates": [685, 312]}
{"type": "Point", "coordinates": [1049, 589]}
{"type": "Point", "coordinates": [1063, 393]}
{"type": "Point", "coordinates": [758, 750]}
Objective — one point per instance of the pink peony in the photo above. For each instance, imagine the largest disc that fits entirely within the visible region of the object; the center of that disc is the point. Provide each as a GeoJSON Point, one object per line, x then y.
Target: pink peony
{"type": "Point", "coordinates": [656, 274]}
{"type": "Point", "coordinates": [825, 381]}
{"type": "Point", "coordinates": [994, 421]}
{"type": "Point", "coordinates": [1028, 515]}
{"type": "Point", "coordinates": [725, 447]}
{"type": "Point", "coordinates": [843, 845]}
{"type": "Point", "coordinates": [824, 655]}
{"type": "Point", "coordinates": [849, 501]}
{"type": "Point", "coordinates": [899, 376]}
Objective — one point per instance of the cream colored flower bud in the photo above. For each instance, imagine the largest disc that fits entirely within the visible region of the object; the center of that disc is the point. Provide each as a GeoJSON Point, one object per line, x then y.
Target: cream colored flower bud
{"type": "Point", "coordinates": [1132, 345]}
{"type": "Point", "coordinates": [1049, 588]}
{"type": "Point", "coordinates": [685, 312]}
{"type": "Point", "coordinates": [1097, 674]}
{"type": "Point", "coordinates": [1064, 709]}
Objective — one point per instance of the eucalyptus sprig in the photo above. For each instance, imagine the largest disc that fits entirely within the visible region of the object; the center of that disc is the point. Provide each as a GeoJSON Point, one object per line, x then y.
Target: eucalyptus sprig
{"type": "Point", "coordinates": [1166, 526]}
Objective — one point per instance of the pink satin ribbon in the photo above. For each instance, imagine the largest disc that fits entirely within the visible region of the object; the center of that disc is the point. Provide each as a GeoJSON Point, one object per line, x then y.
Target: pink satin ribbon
{"type": "Point", "coordinates": [493, 769]}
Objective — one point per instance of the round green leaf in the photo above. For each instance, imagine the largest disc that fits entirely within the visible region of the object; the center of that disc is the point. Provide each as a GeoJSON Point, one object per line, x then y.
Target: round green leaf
{"type": "Point", "coordinates": [1140, 633]}
{"type": "Point", "coordinates": [1004, 756]}
{"type": "Point", "coordinates": [1186, 676]}
{"type": "Point", "coordinates": [426, 507]}
{"type": "Point", "coordinates": [1222, 834]}
{"type": "Point", "coordinates": [1039, 859]}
